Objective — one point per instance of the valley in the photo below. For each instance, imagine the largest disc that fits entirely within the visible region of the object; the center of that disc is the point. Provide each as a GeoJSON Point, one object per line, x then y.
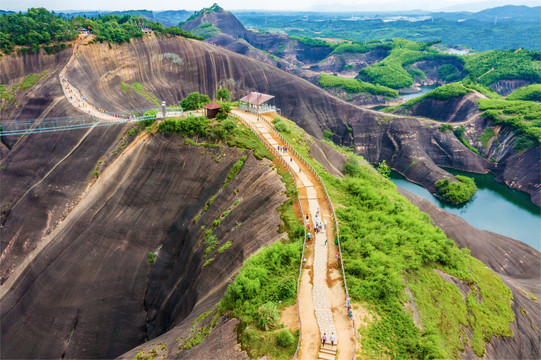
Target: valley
{"type": "Point", "coordinates": [185, 237]}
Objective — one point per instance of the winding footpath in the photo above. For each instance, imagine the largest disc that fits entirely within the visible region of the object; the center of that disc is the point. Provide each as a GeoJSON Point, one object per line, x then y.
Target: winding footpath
{"type": "Point", "coordinates": [321, 294]}
{"type": "Point", "coordinates": [73, 95]}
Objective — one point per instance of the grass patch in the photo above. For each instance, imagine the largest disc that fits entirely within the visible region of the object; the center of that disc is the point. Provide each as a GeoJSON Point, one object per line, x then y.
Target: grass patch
{"type": "Point", "coordinates": [235, 169]}
{"type": "Point", "coordinates": [224, 247]}
{"type": "Point", "coordinates": [139, 89]}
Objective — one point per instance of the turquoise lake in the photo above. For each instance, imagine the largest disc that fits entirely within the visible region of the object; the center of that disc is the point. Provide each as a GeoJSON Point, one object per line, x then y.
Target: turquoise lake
{"type": "Point", "coordinates": [495, 207]}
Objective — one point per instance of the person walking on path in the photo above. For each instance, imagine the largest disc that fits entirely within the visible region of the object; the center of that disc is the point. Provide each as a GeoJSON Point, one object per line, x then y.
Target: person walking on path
{"type": "Point", "coordinates": [325, 241]}
{"type": "Point", "coordinates": [325, 224]}
{"type": "Point", "coordinates": [347, 301]}
{"type": "Point", "coordinates": [332, 340]}
{"type": "Point", "coordinates": [324, 338]}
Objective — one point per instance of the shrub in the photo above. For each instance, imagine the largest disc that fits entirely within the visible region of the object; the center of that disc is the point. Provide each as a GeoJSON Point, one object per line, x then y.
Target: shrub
{"type": "Point", "coordinates": [151, 257]}
{"type": "Point", "coordinates": [268, 316]}
{"type": "Point", "coordinates": [383, 169]}
{"type": "Point", "coordinates": [456, 192]}
{"type": "Point", "coordinates": [280, 125]}
{"type": "Point", "coordinates": [285, 338]}
{"type": "Point", "coordinates": [149, 118]}
{"type": "Point", "coordinates": [286, 288]}
{"type": "Point", "coordinates": [352, 167]}
{"type": "Point", "coordinates": [327, 134]}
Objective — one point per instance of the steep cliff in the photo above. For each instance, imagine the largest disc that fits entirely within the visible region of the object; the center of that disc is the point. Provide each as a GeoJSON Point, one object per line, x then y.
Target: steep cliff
{"type": "Point", "coordinates": [90, 280]}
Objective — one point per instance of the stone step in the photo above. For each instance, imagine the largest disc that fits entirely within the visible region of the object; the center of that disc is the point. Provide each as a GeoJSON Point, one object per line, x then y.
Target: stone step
{"type": "Point", "coordinates": [325, 356]}
{"type": "Point", "coordinates": [326, 350]}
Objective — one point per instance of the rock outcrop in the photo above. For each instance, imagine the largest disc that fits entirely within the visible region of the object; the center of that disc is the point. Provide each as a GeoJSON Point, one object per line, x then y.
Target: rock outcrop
{"type": "Point", "coordinates": [457, 109]}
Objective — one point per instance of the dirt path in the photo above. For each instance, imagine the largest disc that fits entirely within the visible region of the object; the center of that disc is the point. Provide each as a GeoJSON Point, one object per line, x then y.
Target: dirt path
{"type": "Point", "coordinates": [321, 295]}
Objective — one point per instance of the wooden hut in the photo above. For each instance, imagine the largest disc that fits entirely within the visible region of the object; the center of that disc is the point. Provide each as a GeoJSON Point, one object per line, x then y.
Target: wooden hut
{"type": "Point", "coordinates": [211, 110]}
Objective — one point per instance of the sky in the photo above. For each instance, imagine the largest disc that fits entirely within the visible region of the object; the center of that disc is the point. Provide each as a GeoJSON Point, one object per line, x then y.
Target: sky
{"type": "Point", "coordinates": [333, 5]}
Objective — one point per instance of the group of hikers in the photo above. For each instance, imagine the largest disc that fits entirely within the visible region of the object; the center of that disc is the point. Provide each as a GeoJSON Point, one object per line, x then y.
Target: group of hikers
{"type": "Point", "coordinates": [319, 225]}
{"type": "Point", "coordinates": [333, 337]}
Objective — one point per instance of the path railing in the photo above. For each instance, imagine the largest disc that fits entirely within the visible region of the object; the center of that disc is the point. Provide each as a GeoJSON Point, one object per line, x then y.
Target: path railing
{"type": "Point", "coordinates": [35, 126]}
{"type": "Point", "coordinates": [277, 154]}
{"type": "Point", "coordinates": [333, 214]}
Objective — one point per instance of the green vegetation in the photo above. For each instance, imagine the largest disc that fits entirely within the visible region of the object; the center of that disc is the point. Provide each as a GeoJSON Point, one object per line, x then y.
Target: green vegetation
{"type": "Point", "coordinates": [175, 30]}
{"type": "Point", "coordinates": [491, 66]}
{"type": "Point", "coordinates": [40, 29]}
{"type": "Point", "coordinates": [456, 192]}
{"type": "Point", "coordinates": [359, 48]}
{"type": "Point", "coordinates": [448, 73]}
{"type": "Point", "coordinates": [529, 93]}
{"type": "Point", "coordinates": [391, 71]}
{"type": "Point", "coordinates": [280, 125]}
{"type": "Point", "coordinates": [487, 135]}
{"type": "Point", "coordinates": [224, 247]}
{"type": "Point", "coordinates": [448, 91]}
{"type": "Point", "coordinates": [355, 86]}
{"type": "Point", "coordinates": [485, 90]}
{"type": "Point", "coordinates": [388, 244]}
{"type": "Point", "coordinates": [327, 134]}
{"type": "Point", "coordinates": [139, 89]}
{"type": "Point", "coordinates": [384, 170]}
{"type": "Point", "coordinates": [480, 33]}
{"type": "Point", "coordinates": [524, 117]}
{"type": "Point", "coordinates": [194, 101]}
{"type": "Point", "coordinates": [206, 30]}
{"type": "Point", "coordinates": [213, 8]}
{"type": "Point", "coordinates": [235, 169]}
{"type": "Point", "coordinates": [8, 94]}
{"type": "Point", "coordinates": [311, 42]}
{"type": "Point", "coordinates": [352, 167]}
{"type": "Point", "coordinates": [223, 94]}
{"type": "Point", "coordinates": [151, 257]}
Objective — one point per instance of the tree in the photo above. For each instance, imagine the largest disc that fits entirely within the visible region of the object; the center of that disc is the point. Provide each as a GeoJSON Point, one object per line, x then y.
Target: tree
{"type": "Point", "coordinates": [383, 169]}
{"type": "Point", "coordinates": [224, 111]}
{"type": "Point", "coordinates": [223, 94]}
{"type": "Point", "coordinates": [194, 101]}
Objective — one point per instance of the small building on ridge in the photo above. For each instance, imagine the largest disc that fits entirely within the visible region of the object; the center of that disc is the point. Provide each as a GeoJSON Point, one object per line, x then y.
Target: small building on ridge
{"type": "Point", "coordinates": [211, 110]}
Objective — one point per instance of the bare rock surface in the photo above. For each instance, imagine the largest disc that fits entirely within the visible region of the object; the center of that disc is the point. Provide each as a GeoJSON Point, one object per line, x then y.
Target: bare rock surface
{"type": "Point", "coordinates": [91, 293]}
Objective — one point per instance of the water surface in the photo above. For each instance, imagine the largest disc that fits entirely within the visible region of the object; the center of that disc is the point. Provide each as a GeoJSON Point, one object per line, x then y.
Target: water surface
{"type": "Point", "coordinates": [495, 207]}
{"type": "Point", "coordinates": [424, 90]}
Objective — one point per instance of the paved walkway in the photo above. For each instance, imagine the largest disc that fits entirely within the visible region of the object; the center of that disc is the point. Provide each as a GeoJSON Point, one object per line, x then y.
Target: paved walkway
{"type": "Point", "coordinates": [320, 290]}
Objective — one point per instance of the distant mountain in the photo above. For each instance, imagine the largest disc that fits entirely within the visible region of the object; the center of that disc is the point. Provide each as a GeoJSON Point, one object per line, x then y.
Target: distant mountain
{"type": "Point", "coordinates": [221, 20]}
{"type": "Point", "coordinates": [172, 17]}
{"type": "Point", "coordinates": [502, 13]}
{"type": "Point", "coordinates": [4, 12]}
